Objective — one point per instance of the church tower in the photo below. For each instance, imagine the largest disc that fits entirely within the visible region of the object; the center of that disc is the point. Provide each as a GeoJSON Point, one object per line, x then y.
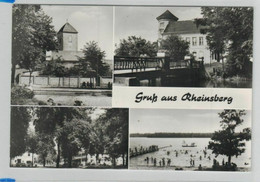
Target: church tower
{"type": "Point", "coordinates": [68, 38]}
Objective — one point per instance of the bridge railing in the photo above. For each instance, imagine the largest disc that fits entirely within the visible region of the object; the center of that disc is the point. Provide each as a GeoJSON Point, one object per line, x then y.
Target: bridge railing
{"type": "Point", "coordinates": [137, 63]}
{"type": "Point", "coordinates": [142, 63]}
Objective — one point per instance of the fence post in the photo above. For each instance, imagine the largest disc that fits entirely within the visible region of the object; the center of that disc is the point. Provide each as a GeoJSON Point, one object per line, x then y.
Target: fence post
{"type": "Point", "coordinates": [48, 80]}
{"type": "Point", "coordinates": [20, 77]}
{"type": "Point", "coordinates": [79, 82]}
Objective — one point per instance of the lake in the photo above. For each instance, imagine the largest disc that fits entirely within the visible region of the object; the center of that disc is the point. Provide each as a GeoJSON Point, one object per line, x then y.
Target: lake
{"type": "Point", "coordinates": [183, 160]}
{"type": "Point", "coordinates": [201, 83]}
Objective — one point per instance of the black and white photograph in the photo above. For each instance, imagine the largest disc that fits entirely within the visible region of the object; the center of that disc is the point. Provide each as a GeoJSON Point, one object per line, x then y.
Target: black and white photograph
{"type": "Point", "coordinates": [69, 137]}
{"type": "Point", "coordinates": [62, 55]}
{"type": "Point", "coordinates": [194, 140]}
{"type": "Point", "coordinates": [183, 46]}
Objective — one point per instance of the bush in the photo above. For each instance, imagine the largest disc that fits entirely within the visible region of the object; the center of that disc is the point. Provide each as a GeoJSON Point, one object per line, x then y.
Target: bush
{"type": "Point", "coordinates": [20, 94]}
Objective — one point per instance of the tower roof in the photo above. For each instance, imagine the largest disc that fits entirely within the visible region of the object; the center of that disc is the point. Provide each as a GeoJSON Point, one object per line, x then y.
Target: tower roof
{"type": "Point", "coordinates": [167, 15]}
{"type": "Point", "coordinates": [68, 28]}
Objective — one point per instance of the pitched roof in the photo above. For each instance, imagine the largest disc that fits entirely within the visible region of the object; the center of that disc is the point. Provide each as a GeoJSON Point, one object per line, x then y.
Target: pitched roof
{"type": "Point", "coordinates": [68, 28]}
{"type": "Point", "coordinates": [66, 56]}
{"type": "Point", "coordinates": [182, 27]}
{"type": "Point", "coordinates": [167, 15]}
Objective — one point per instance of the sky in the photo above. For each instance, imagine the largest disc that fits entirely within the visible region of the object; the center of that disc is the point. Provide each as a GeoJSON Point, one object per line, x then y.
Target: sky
{"type": "Point", "coordinates": [178, 120]}
{"type": "Point", "coordinates": [141, 21]}
{"type": "Point", "coordinates": [97, 22]}
{"type": "Point", "coordinates": [93, 23]}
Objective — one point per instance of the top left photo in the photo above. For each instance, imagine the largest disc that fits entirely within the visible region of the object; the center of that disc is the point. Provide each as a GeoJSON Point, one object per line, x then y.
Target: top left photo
{"type": "Point", "coordinates": [62, 55]}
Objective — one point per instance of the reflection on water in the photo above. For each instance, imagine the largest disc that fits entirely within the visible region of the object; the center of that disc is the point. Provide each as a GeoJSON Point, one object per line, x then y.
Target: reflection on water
{"type": "Point", "coordinates": [201, 83]}
{"type": "Point", "coordinates": [183, 158]}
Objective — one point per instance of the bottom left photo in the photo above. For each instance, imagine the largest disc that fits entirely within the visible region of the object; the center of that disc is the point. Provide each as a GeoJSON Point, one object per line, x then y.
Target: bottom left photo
{"type": "Point", "coordinates": [69, 137]}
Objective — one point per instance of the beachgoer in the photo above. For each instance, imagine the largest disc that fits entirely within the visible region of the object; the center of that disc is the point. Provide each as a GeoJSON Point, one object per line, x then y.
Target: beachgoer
{"type": "Point", "coordinates": [169, 162]}
{"type": "Point", "coordinates": [163, 161]}
{"type": "Point", "coordinates": [200, 167]}
{"type": "Point", "coordinates": [160, 162]}
{"type": "Point", "coordinates": [200, 157]}
{"type": "Point", "coordinates": [154, 162]}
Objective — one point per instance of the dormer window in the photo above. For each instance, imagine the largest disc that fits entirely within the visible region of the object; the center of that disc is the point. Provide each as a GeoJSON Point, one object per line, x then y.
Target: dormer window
{"type": "Point", "coordinates": [161, 25]}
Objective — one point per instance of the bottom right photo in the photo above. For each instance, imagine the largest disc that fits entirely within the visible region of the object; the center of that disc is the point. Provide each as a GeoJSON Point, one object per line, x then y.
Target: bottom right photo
{"type": "Point", "coordinates": [190, 139]}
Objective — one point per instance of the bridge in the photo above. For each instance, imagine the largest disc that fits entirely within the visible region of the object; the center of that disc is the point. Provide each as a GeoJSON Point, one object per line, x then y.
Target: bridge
{"type": "Point", "coordinates": [158, 71]}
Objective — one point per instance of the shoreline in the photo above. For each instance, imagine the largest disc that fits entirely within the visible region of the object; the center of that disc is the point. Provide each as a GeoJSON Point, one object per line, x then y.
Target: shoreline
{"type": "Point", "coordinates": [184, 168]}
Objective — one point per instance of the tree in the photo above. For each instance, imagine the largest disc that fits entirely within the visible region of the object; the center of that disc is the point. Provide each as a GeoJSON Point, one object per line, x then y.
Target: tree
{"type": "Point", "coordinates": [32, 36]}
{"type": "Point", "coordinates": [92, 63]}
{"type": "Point", "coordinates": [55, 121]}
{"type": "Point", "coordinates": [20, 118]}
{"type": "Point", "coordinates": [54, 68]}
{"type": "Point", "coordinates": [136, 46]}
{"type": "Point", "coordinates": [116, 133]}
{"type": "Point", "coordinates": [176, 47]}
{"type": "Point", "coordinates": [31, 145]}
{"type": "Point", "coordinates": [227, 141]}
{"type": "Point", "coordinates": [45, 147]}
{"type": "Point", "coordinates": [230, 32]}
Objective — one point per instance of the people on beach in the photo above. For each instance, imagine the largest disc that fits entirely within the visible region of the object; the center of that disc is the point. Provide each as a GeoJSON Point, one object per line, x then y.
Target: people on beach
{"type": "Point", "coordinates": [154, 162]}
{"type": "Point", "coordinates": [169, 162]}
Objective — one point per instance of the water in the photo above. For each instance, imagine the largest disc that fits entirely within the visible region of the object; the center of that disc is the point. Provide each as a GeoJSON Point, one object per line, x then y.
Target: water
{"type": "Point", "coordinates": [183, 160]}
{"type": "Point", "coordinates": [202, 83]}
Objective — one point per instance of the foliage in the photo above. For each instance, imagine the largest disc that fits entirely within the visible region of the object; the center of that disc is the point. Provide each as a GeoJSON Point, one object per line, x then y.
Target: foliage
{"type": "Point", "coordinates": [230, 31]}
{"type": "Point", "coordinates": [45, 147]}
{"type": "Point", "coordinates": [20, 118]}
{"type": "Point", "coordinates": [32, 36]}
{"type": "Point", "coordinates": [19, 94]}
{"type": "Point", "coordinates": [227, 141]}
{"type": "Point", "coordinates": [176, 47]}
{"type": "Point", "coordinates": [116, 132]}
{"type": "Point", "coordinates": [92, 63]}
{"type": "Point", "coordinates": [54, 68]}
{"type": "Point", "coordinates": [65, 131]}
{"type": "Point", "coordinates": [135, 47]}
{"type": "Point", "coordinates": [55, 121]}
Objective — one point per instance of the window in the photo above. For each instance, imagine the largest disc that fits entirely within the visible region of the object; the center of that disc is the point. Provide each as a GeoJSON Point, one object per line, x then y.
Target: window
{"type": "Point", "coordinates": [188, 39]}
{"type": "Point", "coordinates": [201, 41]}
{"type": "Point", "coordinates": [28, 154]}
{"type": "Point", "coordinates": [161, 24]}
{"type": "Point", "coordinates": [194, 41]}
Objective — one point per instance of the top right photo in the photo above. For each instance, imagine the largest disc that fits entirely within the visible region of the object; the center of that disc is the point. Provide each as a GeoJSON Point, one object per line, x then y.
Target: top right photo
{"type": "Point", "coordinates": [183, 47]}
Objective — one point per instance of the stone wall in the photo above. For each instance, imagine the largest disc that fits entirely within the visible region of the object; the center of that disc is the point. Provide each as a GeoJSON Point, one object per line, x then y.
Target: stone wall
{"type": "Point", "coordinates": [70, 82]}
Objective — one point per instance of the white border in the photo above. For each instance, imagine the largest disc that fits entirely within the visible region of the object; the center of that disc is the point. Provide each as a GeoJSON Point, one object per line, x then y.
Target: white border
{"type": "Point", "coordinates": [119, 175]}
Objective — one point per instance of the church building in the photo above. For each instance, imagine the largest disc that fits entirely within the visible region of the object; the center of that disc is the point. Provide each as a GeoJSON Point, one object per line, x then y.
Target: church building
{"type": "Point", "coordinates": [188, 31]}
{"type": "Point", "coordinates": [68, 50]}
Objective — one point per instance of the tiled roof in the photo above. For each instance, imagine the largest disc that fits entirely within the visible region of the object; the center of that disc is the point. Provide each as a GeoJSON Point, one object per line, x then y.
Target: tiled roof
{"type": "Point", "coordinates": [167, 15]}
{"type": "Point", "coordinates": [68, 28]}
{"type": "Point", "coordinates": [182, 27]}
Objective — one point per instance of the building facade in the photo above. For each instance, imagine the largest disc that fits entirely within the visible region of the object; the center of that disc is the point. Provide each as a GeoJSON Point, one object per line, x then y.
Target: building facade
{"type": "Point", "coordinates": [68, 50]}
{"type": "Point", "coordinates": [188, 31]}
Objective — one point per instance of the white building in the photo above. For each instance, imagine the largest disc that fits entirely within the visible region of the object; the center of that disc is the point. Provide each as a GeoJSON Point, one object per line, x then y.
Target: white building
{"type": "Point", "coordinates": [188, 31]}
{"type": "Point", "coordinates": [25, 160]}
